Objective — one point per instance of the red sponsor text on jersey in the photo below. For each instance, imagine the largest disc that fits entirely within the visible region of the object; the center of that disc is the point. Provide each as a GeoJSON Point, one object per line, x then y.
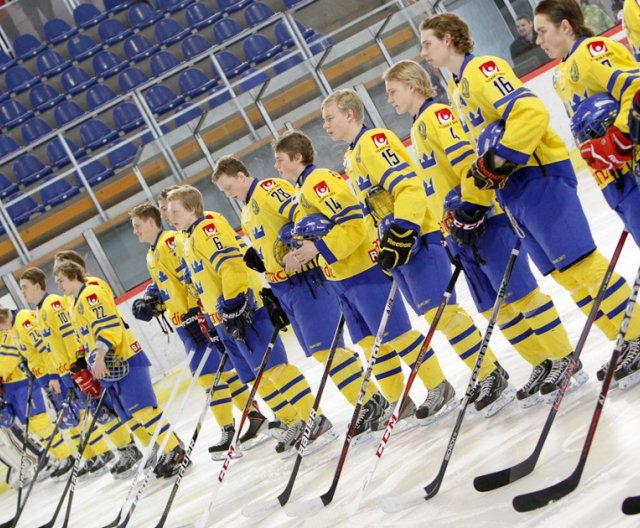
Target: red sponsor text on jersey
{"type": "Point", "coordinates": [597, 48]}
{"type": "Point", "coordinates": [380, 139]}
{"type": "Point", "coordinates": [321, 189]}
{"type": "Point", "coordinates": [444, 116]}
{"type": "Point", "coordinates": [56, 305]}
{"type": "Point", "coordinates": [92, 299]}
{"type": "Point", "coordinates": [488, 68]}
{"type": "Point", "coordinates": [267, 184]}
{"type": "Point", "coordinates": [209, 229]}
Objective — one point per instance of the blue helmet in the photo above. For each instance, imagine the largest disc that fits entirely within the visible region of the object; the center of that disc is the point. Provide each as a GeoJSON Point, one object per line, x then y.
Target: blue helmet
{"type": "Point", "coordinates": [452, 200]}
{"type": "Point", "coordinates": [286, 236]}
{"type": "Point", "coordinates": [593, 117]}
{"type": "Point", "coordinates": [490, 137]}
{"type": "Point", "coordinates": [312, 227]}
{"type": "Point", "coordinates": [7, 417]}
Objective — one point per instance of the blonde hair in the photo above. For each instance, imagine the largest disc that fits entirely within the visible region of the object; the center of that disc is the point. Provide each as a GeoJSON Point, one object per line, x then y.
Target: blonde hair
{"type": "Point", "coordinates": [410, 73]}
{"type": "Point", "coordinates": [345, 100]}
{"type": "Point", "coordinates": [444, 23]}
{"type": "Point", "coordinates": [5, 314]}
{"type": "Point", "coordinates": [190, 198]}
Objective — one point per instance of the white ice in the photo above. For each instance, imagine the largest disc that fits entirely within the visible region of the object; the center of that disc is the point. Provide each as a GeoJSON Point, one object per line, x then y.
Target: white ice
{"type": "Point", "coordinates": [411, 459]}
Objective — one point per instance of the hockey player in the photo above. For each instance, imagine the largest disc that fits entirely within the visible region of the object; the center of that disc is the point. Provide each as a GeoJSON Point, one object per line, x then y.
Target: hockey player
{"type": "Point", "coordinates": [166, 268]}
{"type": "Point", "coordinates": [631, 21]}
{"type": "Point", "coordinates": [118, 361]}
{"type": "Point", "coordinates": [527, 318]}
{"type": "Point", "coordinates": [529, 167]}
{"type": "Point", "coordinates": [348, 251]}
{"type": "Point", "coordinates": [597, 80]}
{"type": "Point", "coordinates": [229, 291]}
{"type": "Point", "coordinates": [388, 181]}
{"type": "Point", "coordinates": [269, 208]}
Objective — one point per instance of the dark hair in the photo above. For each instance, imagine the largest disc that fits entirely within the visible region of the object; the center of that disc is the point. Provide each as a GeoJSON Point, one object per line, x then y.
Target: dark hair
{"type": "Point", "coordinates": [146, 210]}
{"type": "Point", "coordinates": [444, 23]}
{"type": "Point", "coordinates": [295, 142]}
{"type": "Point", "coordinates": [569, 10]}
{"type": "Point", "coordinates": [230, 166]}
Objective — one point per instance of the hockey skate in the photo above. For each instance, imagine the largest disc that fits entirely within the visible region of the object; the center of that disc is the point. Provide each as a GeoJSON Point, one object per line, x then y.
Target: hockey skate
{"type": "Point", "coordinates": [290, 438]}
{"type": "Point", "coordinates": [169, 463]}
{"type": "Point", "coordinates": [495, 393]}
{"type": "Point", "coordinates": [128, 458]}
{"type": "Point", "coordinates": [254, 435]}
{"type": "Point", "coordinates": [529, 394]}
{"type": "Point", "coordinates": [369, 413]}
{"type": "Point", "coordinates": [440, 401]}
{"type": "Point", "coordinates": [62, 471]}
{"type": "Point", "coordinates": [552, 383]}
{"type": "Point", "coordinates": [219, 451]}
{"type": "Point", "coordinates": [277, 430]}
{"type": "Point", "coordinates": [97, 465]}
{"type": "Point", "coordinates": [628, 372]}
{"type": "Point", "coordinates": [321, 435]}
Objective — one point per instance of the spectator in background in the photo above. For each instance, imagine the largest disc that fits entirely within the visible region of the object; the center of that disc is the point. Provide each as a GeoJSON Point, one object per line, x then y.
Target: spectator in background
{"type": "Point", "coordinates": [525, 53]}
{"type": "Point", "coordinates": [595, 17]}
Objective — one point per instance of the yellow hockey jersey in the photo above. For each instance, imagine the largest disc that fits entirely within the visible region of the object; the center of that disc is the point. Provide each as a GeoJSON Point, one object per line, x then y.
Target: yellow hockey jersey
{"type": "Point", "coordinates": [487, 90]}
{"type": "Point", "coordinates": [58, 334]}
{"type": "Point", "coordinates": [10, 358]}
{"type": "Point", "coordinates": [631, 20]}
{"type": "Point", "coordinates": [29, 339]}
{"type": "Point", "coordinates": [350, 247]}
{"type": "Point", "coordinates": [378, 158]}
{"type": "Point", "coordinates": [599, 65]}
{"type": "Point", "coordinates": [97, 318]}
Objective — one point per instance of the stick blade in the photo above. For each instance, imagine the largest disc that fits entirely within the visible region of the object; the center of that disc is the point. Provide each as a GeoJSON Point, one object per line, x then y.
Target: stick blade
{"type": "Point", "coordinates": [501, 478]}
{"type": "Point", "coordinates": [431, 489]}
{"type": "Point", "coordinates": [9, 523]}
{"type": "Point", "coordinates": [540, 498]}
{"type": "Point", "coordinates": [631, 505]}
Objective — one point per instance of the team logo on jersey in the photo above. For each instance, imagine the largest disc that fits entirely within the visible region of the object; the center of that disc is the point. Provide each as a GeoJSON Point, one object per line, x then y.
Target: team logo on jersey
{"type": "Point", "coordinates": [171, 243]}
{"type": "Point", "coordinates": [422, 129]}
{"type": "Point", "coordinates": [56, 305]}
{"type": "Point", "coordinates": [574, 73]}
{"type": "Point", "coordinates": [258, 232]}
{"type": "Point", "coordinates": [254, 207]}
{"type": "Point", "coordinates": [209, 229]}
{"type": "Point", "coordinates": [464, 88]}
{"type": "Point", "coordinates": [92, 299]}
{"type": "Point", "coordinates": [321, 189]}
{"type": "Point", "coordinates": [597, 48]}
{"type": "Point", "coordinates": [489, 68]}
{"type": "Point", "coordinates": [444, 116]}
{"type": "Point", "coordinates": [27, 325]}
{"type": "Point", "coordinates": [380, 140]}
{"type": "Point", "coordinates": [267, 185]}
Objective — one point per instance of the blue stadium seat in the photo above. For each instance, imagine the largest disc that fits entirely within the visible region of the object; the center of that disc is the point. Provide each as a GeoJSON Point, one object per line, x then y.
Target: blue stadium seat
{"type": "Point", "coordinates": [95, 172]}
{"type": "Point", "coordinates": [138, 47]}
{"type": "Point", "coordinates": [222, 97]}
{"type": "Point", "coordinates": [256, 13]}
{"type": "Point", "coordinates": [13, 113]}
{"type": "Point", "coordinates": [168, 32]}
{"type": "Point", "coordinates": [122, 156]}
{"type": "Point", "coordinates": [112, 31]}
{"type": "Point", "coordinates": [26, 46]}
{"type": "Point", "coordinates": [29, 168]}
{"type": "Point", "coordinates": [288, 4]}
{"type": "Point", "coordinates": [57, 30]}
{"type": "Point", "coordinates": [172, 6]}
{"type": "Point", "coordinates": [284, 37]}
{"type": "Point", "coordinates": [57, 192]}
{"type": "Point", "coordinates": [163, 61]}
{"type": "Point", "coordinates": [106, 64]}
{"type": "Point", "coordinates": [231, 6]}
{"type": "Point", "coordinates": [88, 15]}
{"type": "Point", "coordinates": [7, 145]}
{"type": "Point", "coordinates": [115, 6]}
{"type": "Point", "coordinates": [44, 96]}
{"type": "Point", "coordinates": [21, 211]}
{"type": "Point", "coordinates": [285, 64]}
{"type": "Point", "coordinates": [194, 113]}
{"type": "Point", "coordinates": [7, 187]}
{"type": "Point", "coordinates": [142, 15]}
{"type": "Point", "coordinates": [3, 96]}
{"type": "Point", "coordinates": [230, 64]}
{"type": "Point", "coordinates": [318, 43]}
{"type": "Point", "coordinates": [18, 79]}
{"type": "Point", "coordinates": [98, 95]}
{"type": "Point", "coordinates": [75, 80]}
{"type": "Point", "coordinates": [50, 63]}
{"type": "Point", "coordinates": [58, 155]}
{"type": "Point", "coordinates": [253, 78]}
{"type": "Point", "coordinates": [130, 78]}
{"type": "Point", "coordinates": [34, 129]}
{"type": "Point", "coordinates": [194, 45]}
{"type": "Point", "coordinates": [81, 47]}
{"type": "Point", "coordinates": [95, 133]}
{"type": "Point", "coordinates": [194, 81]}
{"type": "Point", "coordinates": [6, 62]}
{"type": "Point", "coordinates": [200, 16]}
{"type": "Point", "coordinates": [66, 112]}
{"type": "Point", "coordinates": [225, 29]}
{"type": "Point", "coordinates": [258, 48]}
{"type": "Point", "coordinates": [161, 99]}
{"type": "Point", "coordinates": [127, 117]}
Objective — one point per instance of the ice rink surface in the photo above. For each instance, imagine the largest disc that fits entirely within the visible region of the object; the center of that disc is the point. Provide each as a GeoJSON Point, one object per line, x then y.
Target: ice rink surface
{"type": "Point", "coordinates": [411, 459]}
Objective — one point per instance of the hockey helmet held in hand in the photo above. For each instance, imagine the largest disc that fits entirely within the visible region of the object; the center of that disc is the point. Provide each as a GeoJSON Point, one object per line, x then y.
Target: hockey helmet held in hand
{"type": "Point", "coordinates": [284, 243]}
{"type": "Point", "coordinates": [490, 137]}
{"type": "Point", "coordinates": [312, 227]}
{"type": "Point", "coordinates": [7, 416]}
{"type": "Point", "coordinates": [593, 117]}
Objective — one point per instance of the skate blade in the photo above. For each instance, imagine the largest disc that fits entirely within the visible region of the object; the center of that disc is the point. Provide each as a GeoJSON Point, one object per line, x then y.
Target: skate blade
{"type": "Point", "coordinates": [451, 405]}
{"type": "Point", "coordinates": [577, 381]}
{"type": "Point", "coordinates": [532, 400]}
{"type": "Point", "coordinates": [629, 381]}
{"type": "Point", "coordinates": [261, 438]}
{"type": "Point", "coordinates": [312, 447]}
{"type": "Point", "coordinates": [124, 475]}
{"type": "Point", "coordinates": [221, 455]}
{"type": "Point", "coordinates": [507, 396]}
{"type": "Point", "coordinates": [362, 438]}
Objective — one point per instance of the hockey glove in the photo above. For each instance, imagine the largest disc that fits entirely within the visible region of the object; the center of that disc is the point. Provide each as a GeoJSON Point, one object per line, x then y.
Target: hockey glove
{"type": "Point", "coordinates": [395, 246]}
{"type": "Point", "coordinates": [83, 379]}
{"type": "Point", "coordinates": [634, 119]}
{"type": "Point", "coordinates": [24, 368]}
{"type": "Point", "coordinates": [277, 315]}
{"type": "Point", "coordinates": [608, 152]}
{"type": "Point", "coordinates": [237, 314]}
{"type": "Point", "coordinates": [198, 330]}
{"type": "Point", "coordinates": [142, 310]}
{"type": "Point", "coordinates": [252, 260]}
{"type": "Point", "coordinates": [486, 175]}
{"type": "Point", "coordinates": [468, 224]}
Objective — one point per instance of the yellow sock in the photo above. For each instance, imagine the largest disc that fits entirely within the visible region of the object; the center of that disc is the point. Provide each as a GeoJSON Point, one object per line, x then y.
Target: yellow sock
{"type": "Point", "coordinates": [42, 427]}
{"type": "Point", "coordinates": [118, 432]}
{"type": "Point", "coordinates": [220, 405]}
{"type": "Point", "coordinates": [463, 335]}
{"type": "Point", "coordinates": [278, 404]}
{"type": "Point", "coordinates": [148, 418]}
{"type": "Point", "coordinates": [542, 316]}
{"type": "Point", "coordinates": [408, 346]}
{"type": "Point", "coordinates": [347, 374]}
{"type": "Point", "coordinates": [516, 329]}
{"type": "Point", "coordinates": [387, 369]}
{"type": "Point", "coordinates": [239, 390]}
{"type": "Point", "coordinates": [294, 387]}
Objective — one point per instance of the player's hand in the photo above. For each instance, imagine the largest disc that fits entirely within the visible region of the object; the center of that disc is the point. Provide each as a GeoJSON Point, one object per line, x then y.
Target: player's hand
{"type": "Point", "coordinates": [490, 171]}
{"type": "Point", "coordinates": [608, 152]}
{"type": "Point", "coordinates": [305, 253]}
{"type": "Point", "coordinates": [277, 315]}
{"type": "Point", "coordinates": [54, 386]}
{"type": "Point", "coordinates": [395, 246]}
{"type": "Point", "coordinates": [290, 262]}
{"type": "Point", "coordinates": [468, 224]}
{"type": "Point", "coordinates": [252, 260]}
{"type": "Point", "coordinates": [99, 368]}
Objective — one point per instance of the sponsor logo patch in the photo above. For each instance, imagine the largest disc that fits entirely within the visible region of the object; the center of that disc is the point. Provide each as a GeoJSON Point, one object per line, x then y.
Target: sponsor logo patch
{"type": "Point", "coordinates": [321, 189]}
{"type": "Point", "coordinates": [489, 68]}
